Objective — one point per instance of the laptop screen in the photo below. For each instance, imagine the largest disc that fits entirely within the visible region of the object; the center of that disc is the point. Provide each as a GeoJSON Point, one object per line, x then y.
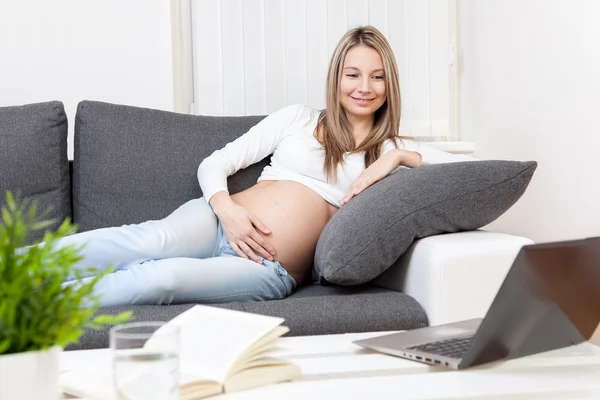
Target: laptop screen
{"type": "Point", "coordinates": [549, 299]}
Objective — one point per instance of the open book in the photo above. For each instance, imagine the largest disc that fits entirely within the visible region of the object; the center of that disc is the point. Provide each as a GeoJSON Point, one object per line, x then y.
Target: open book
{"type": "Point", "coordinates": [221, 350]}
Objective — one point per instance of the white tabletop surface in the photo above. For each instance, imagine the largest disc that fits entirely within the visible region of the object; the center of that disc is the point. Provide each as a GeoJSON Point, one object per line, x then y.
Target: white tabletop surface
{"type": "Point", "coordinates": [333, 367]}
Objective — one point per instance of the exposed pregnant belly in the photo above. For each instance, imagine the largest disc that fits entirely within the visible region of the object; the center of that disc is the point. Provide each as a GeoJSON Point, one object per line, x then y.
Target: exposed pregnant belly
{"type": "Point", "coordinates": [295, 214]}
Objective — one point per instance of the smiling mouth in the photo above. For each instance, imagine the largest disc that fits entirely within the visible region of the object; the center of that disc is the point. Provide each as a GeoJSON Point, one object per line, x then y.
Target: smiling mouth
{"type": "Point", "coordinates": [363, 100]}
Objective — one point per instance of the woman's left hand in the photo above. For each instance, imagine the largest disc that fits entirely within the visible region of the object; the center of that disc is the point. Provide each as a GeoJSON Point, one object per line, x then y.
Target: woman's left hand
{"type": "Point", "coordinates": [382, 168]}
{"type": "Point", "coordinates": [376, 171]}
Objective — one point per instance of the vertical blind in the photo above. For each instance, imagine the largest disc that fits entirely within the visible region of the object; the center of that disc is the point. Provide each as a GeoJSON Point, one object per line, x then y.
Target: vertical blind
{"type": "Point", "coordinates": [252, 57]}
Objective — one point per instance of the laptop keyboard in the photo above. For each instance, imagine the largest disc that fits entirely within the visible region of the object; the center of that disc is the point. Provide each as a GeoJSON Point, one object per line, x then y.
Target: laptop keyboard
{"type": "Point", "coordinates": [453, 348]}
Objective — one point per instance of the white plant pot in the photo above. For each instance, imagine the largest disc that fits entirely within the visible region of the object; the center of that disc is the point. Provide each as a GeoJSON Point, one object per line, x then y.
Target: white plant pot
{"type": "Point", "coordinates": [32, 375]}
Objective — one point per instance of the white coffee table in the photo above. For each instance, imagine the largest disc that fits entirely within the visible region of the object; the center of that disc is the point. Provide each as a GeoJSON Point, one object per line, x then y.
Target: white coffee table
{"type": "Point", "coordinates": [333, 367]}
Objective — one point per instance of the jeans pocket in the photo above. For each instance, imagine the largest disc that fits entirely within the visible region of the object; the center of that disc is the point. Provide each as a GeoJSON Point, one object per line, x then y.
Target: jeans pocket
{"type": "Point", "coordinates": [287, 282]}
{"type": "Point", "coordinates": [227, 250]}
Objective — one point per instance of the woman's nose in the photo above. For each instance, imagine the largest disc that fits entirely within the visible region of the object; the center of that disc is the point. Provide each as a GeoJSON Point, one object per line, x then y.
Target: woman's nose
{"type": "Point", "coordinates": [365, 85]}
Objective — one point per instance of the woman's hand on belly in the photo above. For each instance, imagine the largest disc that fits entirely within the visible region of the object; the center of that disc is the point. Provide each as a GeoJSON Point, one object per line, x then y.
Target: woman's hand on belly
{"type": "Point", "coordinates": [240, 228]}
{"type": "Point", "coordinates": [295, 214]}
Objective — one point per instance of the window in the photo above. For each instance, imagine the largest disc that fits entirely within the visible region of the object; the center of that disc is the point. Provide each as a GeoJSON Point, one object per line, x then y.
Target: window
{"type": "Point", "coordinates": [252, 57]}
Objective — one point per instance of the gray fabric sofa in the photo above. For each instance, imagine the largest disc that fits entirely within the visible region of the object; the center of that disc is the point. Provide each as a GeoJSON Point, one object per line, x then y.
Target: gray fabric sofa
{"type": "Point", "coordinates": [133, 164]}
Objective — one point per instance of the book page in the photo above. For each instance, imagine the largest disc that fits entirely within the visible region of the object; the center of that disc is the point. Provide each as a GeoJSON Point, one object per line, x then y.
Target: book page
{"type": "Point", "coordinates": [195, 392]}
{"type": "Point", "coordinates": [262, 375]}
{"type": "Point", "coordinates": [213, 338]}
{"type": "Point", "coordinates": [260, 349]}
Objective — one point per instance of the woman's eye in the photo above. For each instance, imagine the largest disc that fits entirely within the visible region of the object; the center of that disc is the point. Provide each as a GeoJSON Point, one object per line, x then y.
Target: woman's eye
{"type": "Point", "coordinates": [351, 75]}
{"type": "Point", "coordinates": [378, 77]}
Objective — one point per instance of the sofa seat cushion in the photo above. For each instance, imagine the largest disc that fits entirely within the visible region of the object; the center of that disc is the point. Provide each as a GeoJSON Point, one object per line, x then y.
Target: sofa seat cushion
{"type": "Point", "coordinates": [33, 150]}
{"type": "Point", "coordinates": [311, 310]}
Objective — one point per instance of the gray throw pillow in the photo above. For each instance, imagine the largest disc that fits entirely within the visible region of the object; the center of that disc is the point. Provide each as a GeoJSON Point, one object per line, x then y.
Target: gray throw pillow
{"type": "Point", "coordinates": [33, 154]}
{"type": "Point", "coordinates": [367, 235]}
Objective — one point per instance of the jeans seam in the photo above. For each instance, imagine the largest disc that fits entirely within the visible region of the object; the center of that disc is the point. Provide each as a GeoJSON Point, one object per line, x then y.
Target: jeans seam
{"type": "Point", "coordinates": [230, 297]}
{"type": "Point", "coordinates": [276, 267]}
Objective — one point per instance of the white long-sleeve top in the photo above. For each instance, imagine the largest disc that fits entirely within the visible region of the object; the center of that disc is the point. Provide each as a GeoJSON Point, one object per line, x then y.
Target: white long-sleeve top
{"type": "Point", "coordinates": [288, 134]}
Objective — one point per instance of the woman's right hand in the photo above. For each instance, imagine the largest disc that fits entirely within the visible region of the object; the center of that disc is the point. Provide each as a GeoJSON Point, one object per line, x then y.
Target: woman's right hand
{"type": "Point", "coordinates": [240, 228]}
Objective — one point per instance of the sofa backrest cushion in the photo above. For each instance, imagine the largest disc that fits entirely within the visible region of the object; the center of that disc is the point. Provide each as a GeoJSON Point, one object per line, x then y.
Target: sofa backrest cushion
{"type": "Point", "coordinates": [135, 164]}
{"type": "Point", "coordinates": [33, 158]}
{"type": "Point", "coordinates": [368, 235]}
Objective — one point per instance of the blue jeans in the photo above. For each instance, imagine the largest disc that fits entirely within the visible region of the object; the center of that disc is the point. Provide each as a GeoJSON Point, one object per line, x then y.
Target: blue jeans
{"type": "Point", "coordinates": [184, 257]}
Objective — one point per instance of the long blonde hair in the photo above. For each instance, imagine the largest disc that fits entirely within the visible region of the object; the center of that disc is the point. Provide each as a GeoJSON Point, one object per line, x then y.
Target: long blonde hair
{"type": "Point", "coordinates": [333, 124]}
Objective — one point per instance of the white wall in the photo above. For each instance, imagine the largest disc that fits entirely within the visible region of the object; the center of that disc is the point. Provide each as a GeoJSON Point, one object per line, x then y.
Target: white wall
{"type": "Point", "coordinates": [72, 50]}
{"type": "Point", "coordinates": [530, 90]}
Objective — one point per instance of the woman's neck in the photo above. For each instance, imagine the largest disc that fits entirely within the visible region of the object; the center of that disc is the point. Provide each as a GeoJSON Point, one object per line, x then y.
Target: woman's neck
{"type": "Point", "coordinates": [361, 128]}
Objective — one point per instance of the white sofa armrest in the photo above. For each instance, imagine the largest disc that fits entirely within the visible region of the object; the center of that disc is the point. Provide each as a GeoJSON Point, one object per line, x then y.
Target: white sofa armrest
{"type": "Point", "coordinates": [454, 276]}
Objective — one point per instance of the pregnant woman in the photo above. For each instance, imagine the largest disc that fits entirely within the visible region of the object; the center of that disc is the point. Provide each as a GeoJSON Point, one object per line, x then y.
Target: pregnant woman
{"type": "Point", "coordinates": [259, 244]}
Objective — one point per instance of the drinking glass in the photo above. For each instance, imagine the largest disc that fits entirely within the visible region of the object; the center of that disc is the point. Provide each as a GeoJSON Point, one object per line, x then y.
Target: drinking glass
{"type": "Point", "coordinates": [145, 361]}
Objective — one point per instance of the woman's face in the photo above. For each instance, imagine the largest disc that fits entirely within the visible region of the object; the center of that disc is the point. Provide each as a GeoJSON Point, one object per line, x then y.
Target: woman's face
{"type": "Point", "coordinates": [362, 85]}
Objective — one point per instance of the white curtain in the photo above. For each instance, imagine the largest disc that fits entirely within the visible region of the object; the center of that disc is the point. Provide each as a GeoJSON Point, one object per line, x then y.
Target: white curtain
{"type": "Point", "coordinates": [252, 57]}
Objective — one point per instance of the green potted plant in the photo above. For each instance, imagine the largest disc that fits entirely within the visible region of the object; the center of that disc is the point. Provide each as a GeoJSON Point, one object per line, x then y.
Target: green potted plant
{"type": "Point", "coordinates": [39, 313]}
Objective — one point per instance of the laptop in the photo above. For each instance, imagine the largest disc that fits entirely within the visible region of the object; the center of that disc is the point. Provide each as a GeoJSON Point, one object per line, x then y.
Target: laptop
{"type": "Point", "coordinates": [549, 299]}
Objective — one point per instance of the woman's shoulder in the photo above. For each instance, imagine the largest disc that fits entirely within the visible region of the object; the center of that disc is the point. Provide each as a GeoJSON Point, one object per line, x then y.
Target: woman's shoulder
{"type": "Point", "coordinates": [297, 110]}
{"type": "Point", "coordinates": [297, 115]}
{"type": "Point", "coordinates": [403, 142]}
